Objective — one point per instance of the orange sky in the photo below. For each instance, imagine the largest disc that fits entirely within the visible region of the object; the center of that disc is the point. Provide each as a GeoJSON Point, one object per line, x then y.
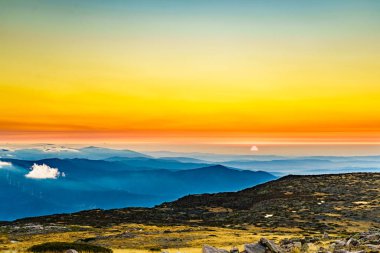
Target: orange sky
{"type": "Point", "coordinates": [237, 72]}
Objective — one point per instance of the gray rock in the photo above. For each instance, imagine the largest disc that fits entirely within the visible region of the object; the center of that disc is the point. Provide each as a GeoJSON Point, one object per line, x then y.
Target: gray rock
{"type": "Point", "coordinates": [234, 250]}
{"type": "Point", "coordinates": [373, 247]}
{"type": "Point", "coordinates": [346, 251]}
{"type": "Point", "coordinates": [325, 236]}
{"type": "Point", "coordinates": [341, 251]}
{"type": "Point", "coordinates": [352, 242]}
{"type": "Point", "coordinates": [297, 244]}
{"type": "Point", "coordinates": [71, 251]}
{"type": "Point", "coordinates": [373, 237]}
{"type": "Point", "coordinates": [254, 248]}
{"type": "Point", "coordinates": [210, 249]}
{"type": "Point", "coordinates": [339, 243]}
{"type": "Point", "coordinates": [305, 247]}
{"type": "Point", "coordinates": [270, 245]}
{"type": "Point", "coordinates": [290, 245]}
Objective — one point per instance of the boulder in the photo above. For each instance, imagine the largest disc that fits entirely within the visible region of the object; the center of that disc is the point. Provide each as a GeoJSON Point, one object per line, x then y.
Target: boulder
{"type": "Point", "coordinates": [270, 245]}
{"type": "Point", "coordinates": [254, 248]}
{"type": "Point", "coordinates": [210, 249]}
{"type": "Point", "coordinates": [339, 243]}
{"type": "Point", "coordinates": [352, 242]}
{"type": "Point", "coordinates": [234, 250]}
{"type": "Point", "coordinates": [289, 245]}
{"type": "Point", "coordinates": [71, 251]}
{"type": "Point", "coordinates": [297, 244]}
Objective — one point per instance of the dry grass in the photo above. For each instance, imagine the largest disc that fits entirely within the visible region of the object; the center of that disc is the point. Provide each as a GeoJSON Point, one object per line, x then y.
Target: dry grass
{"type": "Point", "coordinates": [185, 239]}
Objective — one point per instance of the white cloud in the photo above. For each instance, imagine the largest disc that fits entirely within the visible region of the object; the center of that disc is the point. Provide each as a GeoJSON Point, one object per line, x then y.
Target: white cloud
{"type": "Point", "coordinates": [43, 172]}
{"type": "Point", "coordinates": [3, 164]}
{"type": "Point", "coordinates": [254, 148]}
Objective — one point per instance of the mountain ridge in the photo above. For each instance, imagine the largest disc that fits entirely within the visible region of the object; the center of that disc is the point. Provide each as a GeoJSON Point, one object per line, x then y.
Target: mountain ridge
{"type": "Point", "coordinates": [82, 184]}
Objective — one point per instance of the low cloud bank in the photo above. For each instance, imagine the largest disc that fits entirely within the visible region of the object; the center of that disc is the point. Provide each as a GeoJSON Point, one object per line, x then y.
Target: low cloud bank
{"type": "Point", "coordinates": [44, 172]}
{"type": "Point", "coordinates": [3, 164]}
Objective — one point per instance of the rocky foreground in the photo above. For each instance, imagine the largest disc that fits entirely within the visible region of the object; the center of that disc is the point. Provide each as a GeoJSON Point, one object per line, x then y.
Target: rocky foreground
{"type": "Point", "coordinates": [359, 243]}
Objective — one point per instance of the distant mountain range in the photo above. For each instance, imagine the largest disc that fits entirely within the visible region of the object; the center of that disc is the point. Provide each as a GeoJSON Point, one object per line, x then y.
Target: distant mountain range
{"type": "Point", "coordinates": [57, 185]}
{"type": "Point", "coordinates": [53, 151]}
{"type": "Point", "coordinates": [277, 165]}
{"type": "Point", "coordinates": [54, 179]}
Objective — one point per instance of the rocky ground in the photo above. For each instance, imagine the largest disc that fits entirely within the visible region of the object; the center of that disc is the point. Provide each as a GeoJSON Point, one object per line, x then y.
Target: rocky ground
{"type": "Point", "coordinates": [358, 243]}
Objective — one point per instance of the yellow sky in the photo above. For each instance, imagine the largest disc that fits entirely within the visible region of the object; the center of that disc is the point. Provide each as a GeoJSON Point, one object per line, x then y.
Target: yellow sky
{"type": "Point", "coordinates": [213, 76]}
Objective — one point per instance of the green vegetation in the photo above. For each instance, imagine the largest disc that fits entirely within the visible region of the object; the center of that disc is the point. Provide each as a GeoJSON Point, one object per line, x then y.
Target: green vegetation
{"type": "Point", "coordinates": [62, 246]}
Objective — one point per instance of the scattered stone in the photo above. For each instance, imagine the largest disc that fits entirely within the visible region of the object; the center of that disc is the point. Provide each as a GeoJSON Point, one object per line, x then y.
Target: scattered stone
{"type": "Point", "coordinates": [341, 251]}
{"type": "Point", "coordinates": [297, 244]}
{"type": "Point", "coordinates": [339, 243]}
{"type": "Point", "coordinates": [346, 251]}
{"type": "Point", "coordinates": [352, 242]}
{"type": "Point", "coordinates": [254, 248]}
{"type": "Point", "coordinates": [234, 250]}
{"type": "Point", "coordinates": [270, 245]}
{"type": "Point", "coordinates": [373, 247]}
{"type": "Point", "coordinates": [126, 235]}
{"type": "Point", "coordinates": [210, 249]}
{"type": "Point", "coordinates": [358, 243]}
{"type": "Point", "coordinates": [71, 251]}
{"type": "Point", "coordinates": [373, 237]}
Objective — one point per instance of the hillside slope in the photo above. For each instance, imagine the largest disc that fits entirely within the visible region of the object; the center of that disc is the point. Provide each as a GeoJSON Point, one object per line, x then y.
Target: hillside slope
{"type": "Point", "coordinates": [322, 203]}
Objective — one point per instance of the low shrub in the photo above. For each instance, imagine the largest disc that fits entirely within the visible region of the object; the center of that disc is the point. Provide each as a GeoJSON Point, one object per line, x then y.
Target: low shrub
{"type": "Point", "coordinates": [63, 246]}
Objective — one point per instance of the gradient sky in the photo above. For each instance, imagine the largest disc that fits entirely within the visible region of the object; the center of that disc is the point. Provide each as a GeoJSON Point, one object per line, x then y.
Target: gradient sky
{"type": "Point", "coordinates": [197, 71]}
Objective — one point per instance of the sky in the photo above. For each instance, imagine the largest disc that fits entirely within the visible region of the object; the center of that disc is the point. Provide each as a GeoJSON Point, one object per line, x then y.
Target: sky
{"type": "Point", "coordinates": [210, 72]}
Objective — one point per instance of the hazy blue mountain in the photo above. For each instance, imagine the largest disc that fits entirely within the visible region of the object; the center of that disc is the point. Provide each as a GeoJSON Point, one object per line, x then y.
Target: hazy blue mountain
{"type": "Point", "coordinates": [291, 164]}
{"type": "Point", "coordinates": [184, 159]}
{"type": "Point", "coordinates": [158, 163]}
{"type": "Point", "coordinates": [87, 184]}
{"type": "Point", "coordinates": [308, 165]}
{"type": "Point", "coordinates": [103, 153]}
{"type": "Point", "coordinates": [53, 151]}
{"type": "Point", "coordinates": [211, 157]}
